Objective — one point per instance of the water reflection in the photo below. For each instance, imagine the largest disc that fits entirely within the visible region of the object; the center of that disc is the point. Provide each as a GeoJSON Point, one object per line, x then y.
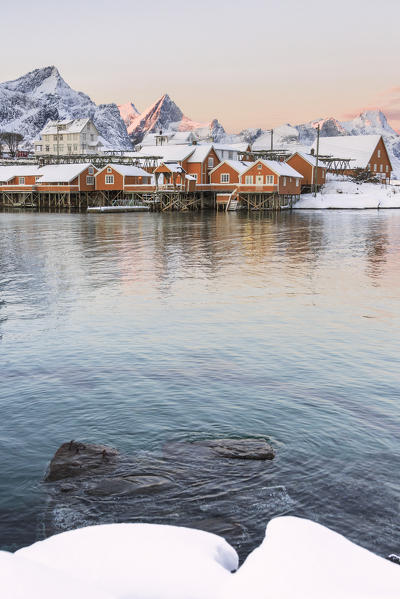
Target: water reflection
{"type": "Point", "coordinates": [137, 329]}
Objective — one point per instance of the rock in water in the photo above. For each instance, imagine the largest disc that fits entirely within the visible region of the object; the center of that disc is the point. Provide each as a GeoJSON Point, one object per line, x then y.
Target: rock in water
{"type": "Point", "coordinates": [76, 459]}
{"type": "Point", "coordinates": [240, 449]}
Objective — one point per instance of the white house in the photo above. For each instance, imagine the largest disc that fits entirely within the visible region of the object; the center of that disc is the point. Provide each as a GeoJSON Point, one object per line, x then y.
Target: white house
{"type": "Point", "coordinates": [78, 136]}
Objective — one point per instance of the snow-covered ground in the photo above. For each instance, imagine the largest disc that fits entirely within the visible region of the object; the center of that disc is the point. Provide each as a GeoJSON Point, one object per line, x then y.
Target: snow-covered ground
{"type": "Point", "coordinates": [338, 193]}
{"type": "Point", "coordinates": [297, 559]}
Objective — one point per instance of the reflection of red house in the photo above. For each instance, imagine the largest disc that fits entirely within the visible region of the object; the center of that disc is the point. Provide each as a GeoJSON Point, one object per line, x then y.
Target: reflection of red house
{"type": "Point", "coordinates": [305, 164]}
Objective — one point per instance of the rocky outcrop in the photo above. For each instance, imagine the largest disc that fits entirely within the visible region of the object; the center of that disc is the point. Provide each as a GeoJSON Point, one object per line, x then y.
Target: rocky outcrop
{"type": "Point", "coordinates": [239, 449]}
{"type": "Point", "coordinates": [78, 459]}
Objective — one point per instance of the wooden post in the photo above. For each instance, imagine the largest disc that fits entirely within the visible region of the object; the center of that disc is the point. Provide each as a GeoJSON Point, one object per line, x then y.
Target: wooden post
{"type": "Point", "coordinates": [316, 165]}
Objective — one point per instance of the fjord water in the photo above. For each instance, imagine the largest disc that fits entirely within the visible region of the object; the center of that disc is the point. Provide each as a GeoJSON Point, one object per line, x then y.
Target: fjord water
{"type": "Point", "coordinates": [138, 330]}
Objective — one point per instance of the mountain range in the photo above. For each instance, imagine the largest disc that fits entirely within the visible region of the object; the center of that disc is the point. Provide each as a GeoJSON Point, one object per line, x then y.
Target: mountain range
{"type": "Point", "coordinates": [27, 103]}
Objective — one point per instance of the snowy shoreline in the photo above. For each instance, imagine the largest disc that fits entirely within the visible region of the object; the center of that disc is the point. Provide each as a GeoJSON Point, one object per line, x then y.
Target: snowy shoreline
{"type": "Point", "coordinates": [346, 195]}
{"type": "Point", "coordinates": [297, 558]}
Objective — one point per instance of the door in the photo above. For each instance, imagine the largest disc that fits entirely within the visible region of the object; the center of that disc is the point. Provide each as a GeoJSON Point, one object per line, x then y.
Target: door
{"type": "Point", "coordinates": [259, 180]}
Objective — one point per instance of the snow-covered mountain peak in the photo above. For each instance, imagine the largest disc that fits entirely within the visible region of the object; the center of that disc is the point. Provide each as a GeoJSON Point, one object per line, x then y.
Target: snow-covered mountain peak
{"type": "Point", "coordinates": [369, 122]}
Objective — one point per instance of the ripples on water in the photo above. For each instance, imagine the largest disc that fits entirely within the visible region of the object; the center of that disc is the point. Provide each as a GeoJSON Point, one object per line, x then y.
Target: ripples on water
{"type": "Point", "coordinates": [137, 330]}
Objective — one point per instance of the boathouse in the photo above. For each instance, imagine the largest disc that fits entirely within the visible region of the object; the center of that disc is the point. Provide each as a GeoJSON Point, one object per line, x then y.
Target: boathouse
{"type": "Point", "coordinates": [306, 165]}
{"type": "Point", "coordinates": [123, 177]}
{"type": "Point", "coordinates": [367, 152]}
{"type": "Point", "coordinates": [203, 160]}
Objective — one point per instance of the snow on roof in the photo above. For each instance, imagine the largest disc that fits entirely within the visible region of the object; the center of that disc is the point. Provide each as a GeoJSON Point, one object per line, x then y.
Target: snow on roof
{"type": "Point", "coordinates": [236, 147]}
{"type": "Point", "coordinates": [200, 153]}
{"type": "Point", "coordinates": [280, 168]}
{"type": "Point", "coordinates": [359, 148]}
{"type": "Point", "coordinates": [174, 167]}
{"type": "Point", "coordinates": [19, 170]}
{"type": "Point", "coordinates": [238, 165]}
{"type": "Point", "coordinates": [61, 173]}
{"type": "Point", "coordinates": [127, 170]}
{"type": "Point", "coordinates": [67, 126]}
{"type": "Point", "coordinates": [308, 157]}
{"type": "Point", "coordinates": [182, 137]}
{"type": "Point", "coordinates": [173, 153]}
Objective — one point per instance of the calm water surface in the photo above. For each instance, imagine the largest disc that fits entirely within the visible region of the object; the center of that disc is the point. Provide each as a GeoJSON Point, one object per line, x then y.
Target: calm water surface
{"type": "Point", "coordinates": [137, 330]}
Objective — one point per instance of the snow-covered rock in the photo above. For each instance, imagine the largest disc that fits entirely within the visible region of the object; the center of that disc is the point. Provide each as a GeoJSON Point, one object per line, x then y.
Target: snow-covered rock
{"type": "Point", "coordinates": [22, 578]}
{"type": "Point", "coordinates": [140, 561]}
{"type": "Point", "coordinates": [27, 103]}
{"type": "Point", "coordinates": [300, 559]}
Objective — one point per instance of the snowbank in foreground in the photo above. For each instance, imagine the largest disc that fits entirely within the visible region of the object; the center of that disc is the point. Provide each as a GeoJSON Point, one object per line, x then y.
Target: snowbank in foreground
{"type": "Point", "coordinates": [346, 194]}
{"type": "Point", "coordinates": [23, 579]}
{"type": "Point", "coordinates": [140, 561]}
{"type": "Point", "coordinates": [300, 559]}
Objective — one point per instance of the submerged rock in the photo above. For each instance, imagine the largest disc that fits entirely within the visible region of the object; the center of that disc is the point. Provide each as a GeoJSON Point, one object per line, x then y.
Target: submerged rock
{"type": "Point", "coordinates": [240, 449]}
{"type": "Point", "coordinates": [76, 459]}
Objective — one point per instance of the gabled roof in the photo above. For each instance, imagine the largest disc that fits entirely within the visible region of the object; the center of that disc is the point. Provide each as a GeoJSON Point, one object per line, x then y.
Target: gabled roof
{"type": "Point", "coordinates": [126, 170]}
{"type": "Point", "coordinates": [359, 148]}
{"type": "Point", "coordinates": [279, 168]}
{"type": "Point", "coordinates": [176, 153]}
{"type": "Point", "coordinates": [173, 167]}
{"type": "Point", "coordinates": [9, 172]}
{"type": "Point", "coordinates": [71, 126]}
{"type": "Point", "coordinates": [308, 158]}
{"type": "Point", "coordinates": [240, 166]}
{"type": "Point", "coordinates": [201, 152]}
{"type": "Point", "coordinates": [61, 173]}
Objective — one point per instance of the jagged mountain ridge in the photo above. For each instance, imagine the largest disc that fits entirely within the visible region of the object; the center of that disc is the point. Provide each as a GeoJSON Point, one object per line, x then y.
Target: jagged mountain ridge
{"type": "Point", "coordinates": [164, 115]}
{"type": "Point", "coordinates": [27, 103]}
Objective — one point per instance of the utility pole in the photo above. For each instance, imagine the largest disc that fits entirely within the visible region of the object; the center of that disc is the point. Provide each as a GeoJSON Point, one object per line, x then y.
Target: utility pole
{"type": "Point", "coordinates": [316, 165]}
{"type": "Point", "coordinates": [58, 142]}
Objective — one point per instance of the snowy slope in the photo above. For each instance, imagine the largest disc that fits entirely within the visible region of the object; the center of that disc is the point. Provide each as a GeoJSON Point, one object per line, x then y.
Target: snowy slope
{"type": "Point", "coordinates": [27, 103]}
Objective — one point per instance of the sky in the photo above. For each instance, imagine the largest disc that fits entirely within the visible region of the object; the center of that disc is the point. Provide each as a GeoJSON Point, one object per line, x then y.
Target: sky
{"type": "Point", "coordinates": [258, 63]}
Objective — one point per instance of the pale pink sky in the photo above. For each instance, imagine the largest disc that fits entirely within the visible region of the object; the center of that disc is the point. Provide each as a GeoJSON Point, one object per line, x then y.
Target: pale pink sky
{"type": "Point", "coordinates": [258, 63]}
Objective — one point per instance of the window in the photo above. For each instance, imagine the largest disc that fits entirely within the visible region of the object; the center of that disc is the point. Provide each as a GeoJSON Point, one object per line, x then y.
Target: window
{"type": "Point", "coordinates": [55, 148]}
{"type": "Point", "coordinates": [61, 137]}
{"type": "Point", "coordinates": [225, 177]}
{"type": "Point", "coordinates": [90, 170]}
{"type": "Point", "coordinates": [369, 167]}
{"type": "Point", "coordinates": [75, 148]}
{"type": "Point", "coordinates": [109, 169]}
{"type": "Point", "coordinates": [211, 162]}
{"type": "Point", "coordinates": [90, 180]}
{"type": "Point", "coordinates": [230, 155]}
{"type": "Point", "coordinates": [379, 153]}
{"type": "Point", "coordinates": [387, 168]}
{"type": "Point", "coordinates": [69, 149]}
{"type": "Point", "coordinates": [269, 180]}
{"type": "Point", "coordinates": [92, 136]}
{"type": "Point", "coordinates": [259, 166]}
{"type": "Point", "coordinates": [61, 149]}
{"type": "Point", "coordinates": [297, 182]}
{"type": "Point", "coordinates": [249, 180]}
{"type": "Point", "coordinates": [21, 180]}
{"type": "Point", "coordinates": [375, 167]}
{"type": "Point", "coordinates": [84, 136]}
{"type": "Point", "coordinates": [284, 181]}
{"type": "Point", "coordinates": [109, 179]}
{"type": "Point", "coordinates": [381, 168]}
{"type": "Point", "coordinates": [47, 148]}
{"type": "Point", "coordinates": [54, 137]}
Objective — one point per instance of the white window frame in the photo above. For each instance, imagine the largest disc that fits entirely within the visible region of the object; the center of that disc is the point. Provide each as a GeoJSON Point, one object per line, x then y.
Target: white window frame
{"type": "Point", "coordinates": [269, 180]}
{"type": "Point", "coordinates": [249, 180]}
{"type": "Point", "coordinates": [21, 180]}
{"type": "Point", "coordinates": [225, 178]}
{"type": "Point", "coordinates": [284, 181]}
{"type": "Point", "coordinates": [387, 168]}
{"type": "Point", "coordinates": [381, 168]}
{"type": "Point", "coordinates": [109, 169]}
{"type": "Point", "coordinates": [109, 180]}
{"type": "Point", "coordinates": [210, 162]}
{"type": "Point", "coordinates": [379, 153]}
{"type": "Point", "coordinates": [375, 167]}
{"type": "Point", "coordinates": [90, 170]}
{"type": "Point", "coordinates": [89, 180]}
{"type": "Point", "coordinates": [259, 167]}
{"type": "Point", "coordinates": [297, 182]}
